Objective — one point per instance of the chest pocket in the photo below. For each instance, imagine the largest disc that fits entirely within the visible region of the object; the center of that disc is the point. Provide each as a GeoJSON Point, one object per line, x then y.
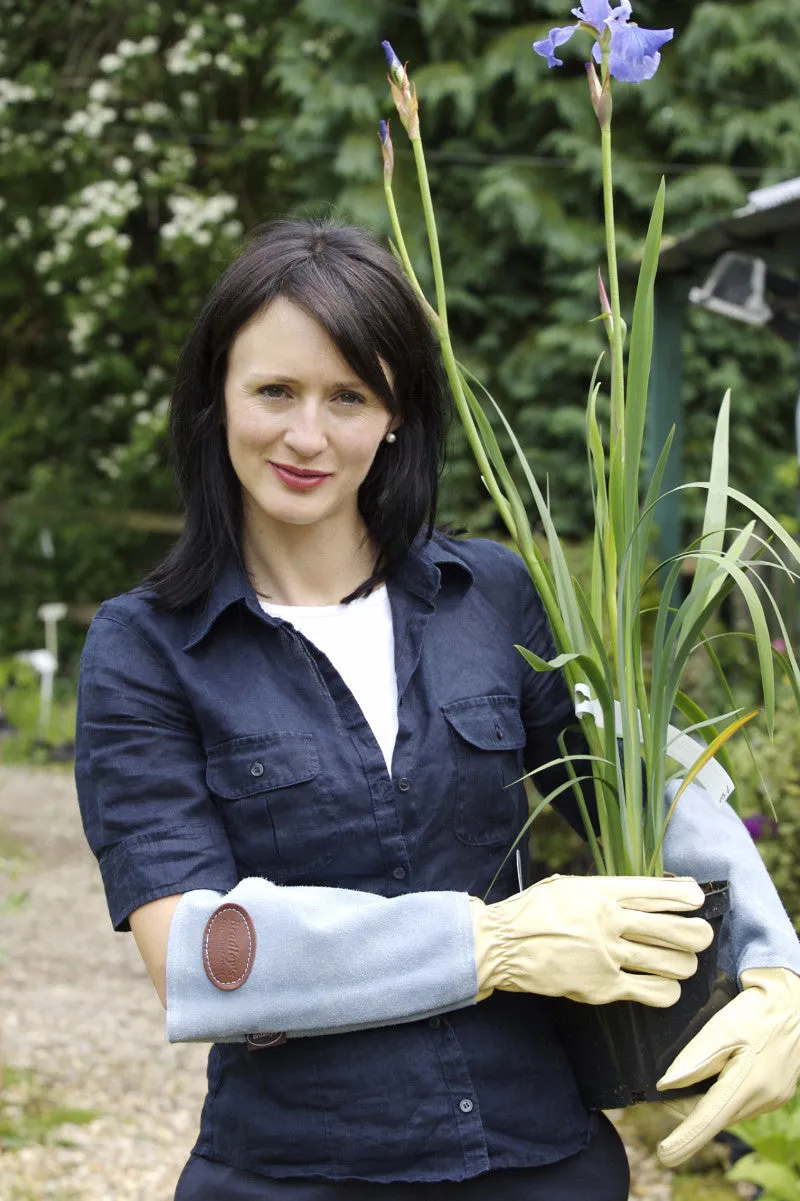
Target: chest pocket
{"type": "Point", "coordinates": [488, 737]}
{"type": "Point", "coordinates": [277, 810]}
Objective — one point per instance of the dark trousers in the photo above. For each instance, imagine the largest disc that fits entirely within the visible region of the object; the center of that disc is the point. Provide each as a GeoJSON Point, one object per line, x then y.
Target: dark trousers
{"type": "Point", "coordinates": [598, 1173]}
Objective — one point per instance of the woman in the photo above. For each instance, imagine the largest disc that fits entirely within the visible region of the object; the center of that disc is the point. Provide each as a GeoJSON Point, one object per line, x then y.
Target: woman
{"type": "Point", "coordinates": [297, 752]}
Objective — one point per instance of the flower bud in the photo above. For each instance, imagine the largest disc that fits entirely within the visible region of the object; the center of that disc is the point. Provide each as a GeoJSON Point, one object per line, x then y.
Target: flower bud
{"type": "Point", "coordinates": [600, 94]}
{"type": "Point", "coordinates": [386, 148]}
{"type": "Point", "coordinates": [396, 68]}
{"type": "Point", "coordinates": [404, 93]}
{"type": "Point", "coordinates": [605, 303]}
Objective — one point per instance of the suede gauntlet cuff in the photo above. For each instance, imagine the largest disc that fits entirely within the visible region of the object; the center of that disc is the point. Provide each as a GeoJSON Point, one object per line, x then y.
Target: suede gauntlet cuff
{"type": "Point", "coordinates": [707, 840]}
{"type": "Point", "coordinates": [316, 960]}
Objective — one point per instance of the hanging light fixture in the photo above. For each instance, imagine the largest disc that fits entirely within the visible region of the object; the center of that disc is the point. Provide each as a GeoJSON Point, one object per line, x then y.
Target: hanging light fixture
{"type": "Point", "coordinates": [735, 288]}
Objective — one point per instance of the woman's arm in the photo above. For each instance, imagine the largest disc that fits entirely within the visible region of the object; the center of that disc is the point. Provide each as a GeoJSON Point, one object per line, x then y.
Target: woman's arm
{"type": "Point", "coordinates": [150, 925]}
{"type": "Point", "coordinates": [305, 960]}
{"type": "Point", "coordinates": [311, 959]}
{"type": "Point", "coordinates": [140, 772]}
{"type": "Point", "coordinates": [416, 958]}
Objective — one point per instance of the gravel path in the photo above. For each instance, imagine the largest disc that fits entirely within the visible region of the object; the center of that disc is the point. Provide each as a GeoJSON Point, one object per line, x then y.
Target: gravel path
{"type": "Point", "coordinates": [77, 1008]}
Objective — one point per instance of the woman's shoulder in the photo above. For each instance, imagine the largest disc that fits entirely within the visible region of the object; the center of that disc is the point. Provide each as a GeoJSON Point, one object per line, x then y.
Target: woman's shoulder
{"type": "Point", "coordinates": [136, 616]}
{"type": "Point", "coordinates": [489, 561]}
{"type": "Point", "coordinates": [136, 607]}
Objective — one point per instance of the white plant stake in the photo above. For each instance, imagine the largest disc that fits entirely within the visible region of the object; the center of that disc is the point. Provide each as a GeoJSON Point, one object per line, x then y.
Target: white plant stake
{"type": "Point", "coordinates": [51, 615]}
{"type": "Point", "coordinates": [45, 663]}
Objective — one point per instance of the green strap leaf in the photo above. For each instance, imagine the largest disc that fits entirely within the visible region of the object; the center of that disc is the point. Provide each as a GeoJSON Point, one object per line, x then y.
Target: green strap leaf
{"type": "Point", "coordinates": [717, 499]}
{"type": "Point", "coordinates": [639, 357]}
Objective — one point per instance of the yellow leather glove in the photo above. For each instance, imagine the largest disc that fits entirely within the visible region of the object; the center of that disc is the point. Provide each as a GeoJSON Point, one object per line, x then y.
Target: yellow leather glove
{"type": "Point", "coordinates": [592, 938]}
{"type": "Point", "coordinates": [754, 1045]}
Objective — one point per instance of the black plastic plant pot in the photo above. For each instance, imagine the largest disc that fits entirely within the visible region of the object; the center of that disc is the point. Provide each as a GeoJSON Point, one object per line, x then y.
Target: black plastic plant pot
{"type": "Point", "coordinates": [619, 1051]}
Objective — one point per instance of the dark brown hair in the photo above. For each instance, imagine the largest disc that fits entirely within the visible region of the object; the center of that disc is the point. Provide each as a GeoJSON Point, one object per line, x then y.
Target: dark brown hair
{"type": "Point", "coordinates": [347, 282]}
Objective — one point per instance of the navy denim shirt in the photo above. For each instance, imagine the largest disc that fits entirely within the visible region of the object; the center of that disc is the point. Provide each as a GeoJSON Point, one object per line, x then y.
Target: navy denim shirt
{"type": "Point", "coordinates": [218, 742]}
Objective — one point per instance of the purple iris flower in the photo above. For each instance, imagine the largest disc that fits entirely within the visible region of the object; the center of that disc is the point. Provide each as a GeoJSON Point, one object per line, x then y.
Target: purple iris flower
{"type": "Point", "coordinates": [555, 38]}
{"type": "Point", "coordinates": [633, 52]}
{"type": "Point", "coordinates": [758, 826]}
{"type": "Point", "coordinates": [595, 12]}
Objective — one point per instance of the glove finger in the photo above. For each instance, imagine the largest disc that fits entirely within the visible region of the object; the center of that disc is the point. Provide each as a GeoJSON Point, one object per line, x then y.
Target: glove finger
{"type": "Point", "coordinates": [650, 990]}
{"type": "Point", "coordinates": [721, 1106]}
{"type": "Point", "coordinates": [667, 930]}
{"type": "Point", "coordinates": [706, 1055]}
{"type": "Point", "coordinates": [656, 894]}
{"type": "Point", "coordinates": [658, 961]}
{"type": "Point", "coordinates": [679, 1107]}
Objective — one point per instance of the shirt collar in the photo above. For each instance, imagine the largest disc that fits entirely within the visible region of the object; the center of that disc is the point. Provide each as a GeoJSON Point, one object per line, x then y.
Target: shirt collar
{"type": "Point", "coordinates": [427, 561]}
{"type": "Point", "coordinates": [421, 573]}
{"type": "Point", "coordinates": [231, 587]}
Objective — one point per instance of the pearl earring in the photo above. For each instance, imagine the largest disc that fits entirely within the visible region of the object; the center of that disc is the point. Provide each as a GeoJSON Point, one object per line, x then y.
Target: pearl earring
{"type": "Point", "coordinates": [391, 437]}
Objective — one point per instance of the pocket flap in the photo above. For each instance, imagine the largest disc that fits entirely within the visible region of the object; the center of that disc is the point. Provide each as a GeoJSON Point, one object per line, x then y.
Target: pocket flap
{"type": "Point", "coordinates": [245, 766]}
{"type": "Point", "coordinates": [491, 723]}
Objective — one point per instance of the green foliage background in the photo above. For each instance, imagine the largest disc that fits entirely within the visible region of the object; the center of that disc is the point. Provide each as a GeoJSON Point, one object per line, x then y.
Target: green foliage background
{"type": "Point", "coordinates": [768, 781]}
{"type": "Point", "coordinates": [139, 143]}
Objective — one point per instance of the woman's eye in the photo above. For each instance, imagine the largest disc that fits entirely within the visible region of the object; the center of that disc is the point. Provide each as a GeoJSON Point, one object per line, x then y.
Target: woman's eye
{"type": "Point", "coordinates": [351, 399]}
{"type": "Point", "coordinates": [273, 391]}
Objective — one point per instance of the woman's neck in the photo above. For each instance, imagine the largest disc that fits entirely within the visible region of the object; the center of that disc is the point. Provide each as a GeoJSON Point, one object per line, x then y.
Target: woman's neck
{"type": "Point", "coordinates": [307, 565]}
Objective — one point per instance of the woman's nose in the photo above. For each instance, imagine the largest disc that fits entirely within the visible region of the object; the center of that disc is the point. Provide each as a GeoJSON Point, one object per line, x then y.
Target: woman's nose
{"type": "Point", "coordinates": [305, 432]}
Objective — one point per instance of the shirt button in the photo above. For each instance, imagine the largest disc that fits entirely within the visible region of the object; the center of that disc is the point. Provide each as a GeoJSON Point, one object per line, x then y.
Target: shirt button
{"type": "Point", "coordinates": [256, 769]}
{"type": "Point", "coordinates": [399, 872]}
{"type": "Point", "coordinates": [403, 784]}
{"type": "Point", "coordinates": [434, 1023]}
{"type": "Point", "coordinates": [466, 1105]}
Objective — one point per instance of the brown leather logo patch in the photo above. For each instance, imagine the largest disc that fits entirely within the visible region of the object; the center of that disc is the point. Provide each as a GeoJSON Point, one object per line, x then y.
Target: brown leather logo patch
{"type": "Point", "coordinates": [229, 946]}
{"type": "Point", "coordinates": [260, 1042]}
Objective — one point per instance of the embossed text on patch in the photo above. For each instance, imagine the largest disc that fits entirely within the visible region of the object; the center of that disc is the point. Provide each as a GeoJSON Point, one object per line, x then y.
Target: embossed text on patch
{"type": "Point", "coordinates": [229, 946]}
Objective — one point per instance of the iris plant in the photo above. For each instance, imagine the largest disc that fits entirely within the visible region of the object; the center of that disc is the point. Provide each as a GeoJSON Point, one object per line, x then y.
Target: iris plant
{"type": "Point", "coordinates": [624, 662]}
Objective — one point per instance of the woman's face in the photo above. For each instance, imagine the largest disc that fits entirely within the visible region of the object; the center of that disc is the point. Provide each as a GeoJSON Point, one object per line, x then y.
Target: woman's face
{"type": "Point", "coordinates": [302, 429]}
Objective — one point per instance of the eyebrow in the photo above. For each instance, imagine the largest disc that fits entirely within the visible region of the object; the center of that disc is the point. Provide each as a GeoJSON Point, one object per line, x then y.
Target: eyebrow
{"type": "Point", "coordinates": [278, 378]}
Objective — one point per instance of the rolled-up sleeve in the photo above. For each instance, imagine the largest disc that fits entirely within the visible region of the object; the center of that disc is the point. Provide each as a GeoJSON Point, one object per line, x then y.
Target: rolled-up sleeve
{"type": "Point", "coordinates": [140, 774]}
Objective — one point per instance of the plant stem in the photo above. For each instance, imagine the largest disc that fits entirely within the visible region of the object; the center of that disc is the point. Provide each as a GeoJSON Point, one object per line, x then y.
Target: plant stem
{"type": "Point", "coordinates": [611, 563]}
{"type": "Point", "coordinates": [439, 320]}
{"type": "Point", "coordinates": [617, 372]}
{"type": "Point", "coordinates": [473, 436]}
{"type": "Point", "coordinates": [430, 224]}
{"type": "Point", "coordinates": [400, 241]}
{"type": "Point", "coordinates": [448, 354]}
{"type": "Point", "coordinates": [621, 621]}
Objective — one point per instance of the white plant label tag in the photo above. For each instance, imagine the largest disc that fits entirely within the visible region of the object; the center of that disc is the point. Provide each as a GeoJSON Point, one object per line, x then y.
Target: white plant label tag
{"type": "Point", "coordinates": [682, 747]}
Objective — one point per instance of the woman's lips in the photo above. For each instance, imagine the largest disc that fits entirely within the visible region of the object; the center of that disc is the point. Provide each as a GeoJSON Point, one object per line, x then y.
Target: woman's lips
{"type": "Point", "coordinates": [295, 477]}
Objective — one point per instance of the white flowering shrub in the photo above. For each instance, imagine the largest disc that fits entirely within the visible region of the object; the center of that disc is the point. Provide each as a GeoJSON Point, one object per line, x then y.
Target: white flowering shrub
{"type": "Point", "coordinates": [125, 191]}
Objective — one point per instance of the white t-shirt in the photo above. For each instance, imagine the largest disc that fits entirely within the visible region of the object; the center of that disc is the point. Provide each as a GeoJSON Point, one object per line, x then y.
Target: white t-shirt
{"type": "Point", "coordinates": [359, 641]}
